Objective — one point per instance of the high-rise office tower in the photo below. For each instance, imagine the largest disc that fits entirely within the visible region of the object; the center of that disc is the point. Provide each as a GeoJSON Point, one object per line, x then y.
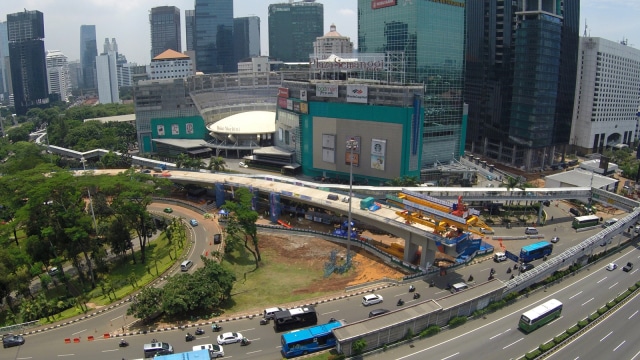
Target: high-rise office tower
{"type": "Point", "coordinates": [246, 37]}
{"type": "Point", "coordinates": [520, 79]}
{"type": "Point", "coordinates": [109, 46]}
{"type": "Point", "coordinates": [214, 36]}
{"type": "Point", "coordinates": [107, 73]}
{"type": "Point", "coordinates": [88, 53]}
{"type": "Point", "coordinates": [75, 74]}
{"type": "Point", "coordinates": [293, 27]}
{"type": "Point", "coordinates": [27, 58]}
{"type": "Point", "coordinates": [424, 43]}
{"type": "Point", "coordinates": [4, 54]}
{"type": "Point", "coordinates": [189, 26]}
{"type": "Point", "coordinates": [58, 74]}
{"type": "Point", "coordinates": [165, 30]}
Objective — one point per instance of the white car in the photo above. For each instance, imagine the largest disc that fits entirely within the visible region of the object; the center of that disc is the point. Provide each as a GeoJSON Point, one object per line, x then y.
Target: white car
{"type": "Point", "coordinates": [229, 338]}
{"type": "Point", "coordinates": [612, 266]}
{"type": "Point", "coordinates": [371, 299]}
{"type": "Point", "coordinates": [555, 239]}
{"type": "Point", "coordinates": [215, 351]}
{"type": "Point", "coordinates": [242, 164]}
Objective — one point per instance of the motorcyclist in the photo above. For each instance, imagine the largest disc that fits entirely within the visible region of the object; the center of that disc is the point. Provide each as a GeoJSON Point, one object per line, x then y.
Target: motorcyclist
{"type": "Point", "coordinates": [411, 288]}
{"type": "Point", "coordinates": [400, 302]}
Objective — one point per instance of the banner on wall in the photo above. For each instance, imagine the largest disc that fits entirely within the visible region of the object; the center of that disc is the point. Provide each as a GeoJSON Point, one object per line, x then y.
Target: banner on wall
{"type": "Point", "coordinates": [160, 129]}
{"type": "Point", "coordinates": [358, 144]}
{"type": "Point", "coordinates": [304, 108]}
{"type": "Point", "coordinates": [175, 129]}
{"type": "Point", "coordinates": [350, 158]}
{"type": "Point", "coordinates": [327, 90]}
{"type": "Point", "coordinates": [357, 93]}
{"type": "Point", "coordinates": [378, 154]}
{"type": "Point", "coordinates": [189, 128]}
{"type": "Point", "coordinates": [303, 95]}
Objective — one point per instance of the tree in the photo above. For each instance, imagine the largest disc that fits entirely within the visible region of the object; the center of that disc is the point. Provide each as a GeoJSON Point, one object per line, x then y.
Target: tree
{"type": "Point", "coordinates": [408, 181]}
{"type": "Point", "coordinates": [147, 305]}
{"type": "Point", "coordinates": [241, 223]}
{"type": "Point", "coordinates": [217, 164]}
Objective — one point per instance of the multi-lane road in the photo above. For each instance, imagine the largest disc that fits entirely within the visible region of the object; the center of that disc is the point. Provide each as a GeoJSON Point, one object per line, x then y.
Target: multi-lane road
{"type": "Point", "coordinates": [494, 337]}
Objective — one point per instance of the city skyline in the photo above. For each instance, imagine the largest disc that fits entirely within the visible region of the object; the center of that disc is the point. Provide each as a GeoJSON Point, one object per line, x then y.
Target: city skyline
{"type": "Point", "coordinates": [128, 21]}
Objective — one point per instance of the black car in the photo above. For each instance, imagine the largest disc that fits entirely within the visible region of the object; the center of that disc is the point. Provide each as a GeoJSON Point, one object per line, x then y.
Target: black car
{"type": "Point", "coordinates": [526, 267]}
{"type": "Point", "coordinates": [217, 239]}
{"type": "Point", "coordinates": [10, 340]}
{"type": "Point", "coordinates": [628, 267]}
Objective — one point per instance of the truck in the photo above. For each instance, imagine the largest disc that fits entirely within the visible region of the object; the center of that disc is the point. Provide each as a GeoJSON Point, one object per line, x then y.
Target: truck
{"type": "Point", "coordinates": [160, 168]}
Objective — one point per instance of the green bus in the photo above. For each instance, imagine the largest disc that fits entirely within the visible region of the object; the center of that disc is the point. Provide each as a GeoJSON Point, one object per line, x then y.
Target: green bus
{"type": "Point", "coordinates": [540, 315]}
{"type": "Point", "coordinates": [585, 221]}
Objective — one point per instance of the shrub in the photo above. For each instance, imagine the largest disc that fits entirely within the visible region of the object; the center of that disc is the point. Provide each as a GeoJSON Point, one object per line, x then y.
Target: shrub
{"type": "Point", "coordinates": [409, 334]}
{"type": "Point", "coordinates": [560, 338]}
{"type": "Point", "coordinates": [633, 288]}
{"type": "Point", "coordinates": [336, 357]}
{"type": "Point", "coordinates": [532, 355]}
{"type": "Point", "coordinates": [511, 297]}
{"type": "Point", "coordinates": [582, 323]}
{"type": "Point", "coordinates": [496, 305]}
{"type": "Point", "coordinates": [594, 316]}
{"type": "Point", "coordinates": [358, 346]}
{"type": "Point", "coordinates": [611, 304]}
{"type": "Point", "coordinates": [602, 310]}
{"type": "Point", "coordinates": [572, 330]}
{"type": "Point", "coordinates": [479, 313]}
{"type": "Point", "coordinates": [457, 321]}
{"type": "Point", "coordinates": [547, 346]}
{"type": "Point", "coordinates": [623, 296]}
{"type": "Point", "coordinates": [430, 331]}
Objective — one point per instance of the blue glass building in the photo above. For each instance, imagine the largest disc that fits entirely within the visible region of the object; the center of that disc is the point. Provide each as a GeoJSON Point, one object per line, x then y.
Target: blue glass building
{"type": "Point", "coordinates": [424, 42]}
{"type": "Point", "coordinates": [88, 53]}
{"type": "Point", "coordinates": [213, 36]}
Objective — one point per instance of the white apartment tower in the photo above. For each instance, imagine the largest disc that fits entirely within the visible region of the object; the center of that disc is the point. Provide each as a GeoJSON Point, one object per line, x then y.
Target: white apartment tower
{"type": "Point", "coordinates": [107, 74]}
{"type": "Point", "coordinates": [58, 77]}
{"type": "Point", "coordinates": [332, 43]}
{"type": "Point", "coordinates": [607, 95]}
{"type": "Point", "coordinates": [171, 64]}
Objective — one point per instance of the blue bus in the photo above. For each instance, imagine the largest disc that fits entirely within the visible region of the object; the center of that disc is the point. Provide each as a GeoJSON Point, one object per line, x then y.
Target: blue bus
{"type": "Point", "coordinates": [308, 340]}
{"type": "Point", "coordinates": [535, 251]}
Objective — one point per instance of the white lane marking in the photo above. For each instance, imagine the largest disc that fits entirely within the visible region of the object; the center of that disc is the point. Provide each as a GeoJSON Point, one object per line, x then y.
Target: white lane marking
{"type": "Point", "coordinates": [586, 302]}
{"type": "Point", "coordinates": [575, 295]}
{"type": "Point", "coordinates": [254, 352]}
{"type": "Point", "coordinates": [606, 336]}
{"type": "Point", "coordinates": [112, 350]}
{"type": "Point", "coordinates": [63, 355]}
{"type": "Point", "coordinates": [450, 356]}
{"type": "Point", "coordinates": [513, 343]}
{"type": "Point", "coordinates": [496, 335]}
{"type": "Point", "coordinates": [632, 315]}
{"type": "Point", "coordinates": [330, 312]}
{"type": "Point", "coordinates": [616, 348]}
{"type": "Point", "coordinates": [612, 286]}
{"type": "Point", "coordinates": [78, 332]}
{"type": "Point", "coordinates": [601, 280]}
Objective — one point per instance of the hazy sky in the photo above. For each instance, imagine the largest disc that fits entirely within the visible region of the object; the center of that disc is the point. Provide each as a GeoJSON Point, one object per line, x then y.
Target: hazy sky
{"type": "Point", "coordinates": [128, 21]}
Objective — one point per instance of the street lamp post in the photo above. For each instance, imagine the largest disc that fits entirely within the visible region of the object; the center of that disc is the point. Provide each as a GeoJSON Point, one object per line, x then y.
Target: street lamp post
{"type": "Point", "coordinates": [352, 143]}
{"type": "Point", "coordinates": [93, 215]}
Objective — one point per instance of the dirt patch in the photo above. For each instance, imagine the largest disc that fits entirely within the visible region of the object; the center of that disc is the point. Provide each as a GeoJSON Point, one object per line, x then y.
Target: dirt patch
{"type": "Point", "coordinates": [313, 253]}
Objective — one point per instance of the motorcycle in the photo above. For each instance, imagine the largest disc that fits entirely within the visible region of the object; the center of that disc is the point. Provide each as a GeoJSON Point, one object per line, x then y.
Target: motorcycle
{"type": "Point", "coordinates": [508, 270]}
{"type": "Point", "coordinates": [199, 331]}
{"type": "Point", "coordinates": [432, 283]}
{"type": "Point", "coordinates": [216, 327]}
{"type": "Point", "coordinates": [123, 343]}
{"type": "Point", "coordinates": [400, 302]}
{"type": "Point", "coordinates": [412, 288]}
{"type": "Point", "coordinates": [189, 337]}
{"type": "Point", "coordinates": [416, 296]}
{"type": "Point", "coordinates": [245, 342]}
{"type": "Point", "coordinates": [264, 321]}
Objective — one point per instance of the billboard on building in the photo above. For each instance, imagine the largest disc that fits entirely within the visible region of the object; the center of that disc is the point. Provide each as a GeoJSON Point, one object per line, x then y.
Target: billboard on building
{"type": "Point", "coordinates": [189, 127]}
{"type": "Point", "coordinates": [357, 93]}
{"type": "Point", "coordinates": [160, 129]}
{"type": "Point", "coordinates": [283, 92]}
{"type": "Point", "coordinates": [378, 153]}
{"type": "Point", "coordinates": [175, 129]}
{"type": "Point", "coordinates": [327, 90]}
{"type": "Point", "coordinates": [379, 4]}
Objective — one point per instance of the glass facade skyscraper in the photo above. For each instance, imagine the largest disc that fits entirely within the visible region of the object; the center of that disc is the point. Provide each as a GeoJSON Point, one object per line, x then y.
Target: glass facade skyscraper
{"type": "Point", "coordinates": [246, 37]}
{"type": "Point", "coordinates": [165, 29]}
{"type": "Point", "coordinates": [214, 36]}
{"type": "Point", "coordinates": [189, 26]}
{"type": "Point", "coordinates": [88, 53]}
{"type": "Point", "coordinates": [424, 43]}
{"type": "Point", "coordinates": [520, 79]}
{"type": "Point", "coordinates": [28, 60]}
{"type": "Point", "coordinates": [293, 27]}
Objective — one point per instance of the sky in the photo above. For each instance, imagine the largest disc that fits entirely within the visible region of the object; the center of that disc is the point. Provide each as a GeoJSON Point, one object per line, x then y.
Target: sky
{"type": "Point", "coordinates": [128, 21]}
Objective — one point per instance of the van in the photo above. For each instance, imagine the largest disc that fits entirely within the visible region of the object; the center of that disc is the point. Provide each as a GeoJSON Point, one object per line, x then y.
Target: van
{"type": "Point", "coordinates": [499, 257]}
{"type": "Point", "coordinates": [574, 212]}
{"type": "Point", "coordinates": [270, 312]}
{"type": "Point", "coordinates": [610, 222]}
{"type": "Point", "coordinates": [531, 231]}
{"type": "Point", "coordinates": [160, 348]}
{"type": "Point", "coordinates": [186, 265]}
{"type": "Point", "coordinates": [459, 287]}
{"type": "Point", "coordinates": [377, 312]}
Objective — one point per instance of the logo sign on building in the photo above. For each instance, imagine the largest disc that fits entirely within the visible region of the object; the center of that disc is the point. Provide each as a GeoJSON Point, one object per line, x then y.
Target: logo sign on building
{"type": "Point", "coordinates": [282, 102]}
{"type": "Point", "coordinates": [283, 92]}
{"type": "Point", "coordinates": [327, 90]}
{"type": "Point", "coordinates": [160, 130]}
{"type": "Point", "coordinates": [357, 93]}
{"type": "Point", "coordinates": [379, 4]}
{"type": "Point", "coordinates": [303, 95]}
{"type": "Point", "coordinates": [378, 152]}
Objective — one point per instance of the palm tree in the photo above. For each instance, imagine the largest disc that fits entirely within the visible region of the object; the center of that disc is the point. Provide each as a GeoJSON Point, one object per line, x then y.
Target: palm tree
{"type": "Point", "coordinates": [217, 164]}
{"type": "Point", "coordinates": [182, 161]}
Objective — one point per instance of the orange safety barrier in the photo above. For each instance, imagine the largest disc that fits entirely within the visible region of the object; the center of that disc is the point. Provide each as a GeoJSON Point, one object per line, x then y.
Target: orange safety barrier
{"type": "Point", "coordinates": [76, 340]}
{"type": "Point", "coordinates": [67, 341]}
{"type": "Point", "coordinates": [106, 335]}
{"type": "Point", "coordinates": [90, 338]}
{"type": "Point", "coordinates": [206, 253]}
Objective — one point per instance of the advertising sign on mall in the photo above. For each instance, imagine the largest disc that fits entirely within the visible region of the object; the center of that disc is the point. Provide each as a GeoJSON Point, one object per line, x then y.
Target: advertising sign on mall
{"type": "Point", "coordinates": [379, 4]}
{"type": "Point", "coordinates": [357, 93]}
{"type": "Point", "coordinates": [327, 90]}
